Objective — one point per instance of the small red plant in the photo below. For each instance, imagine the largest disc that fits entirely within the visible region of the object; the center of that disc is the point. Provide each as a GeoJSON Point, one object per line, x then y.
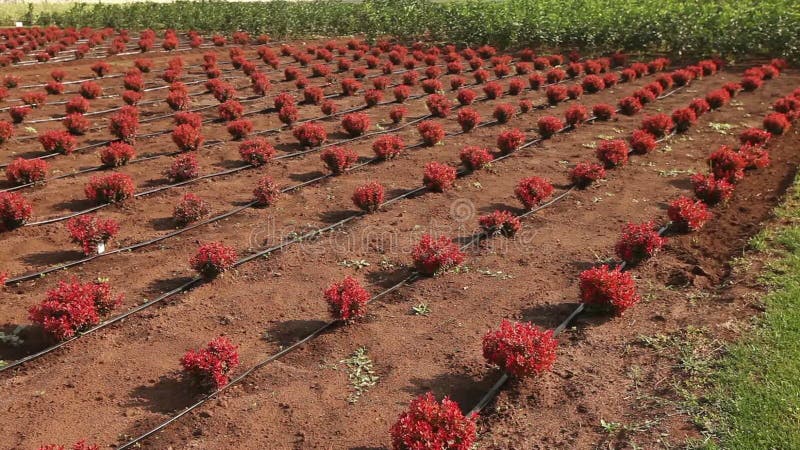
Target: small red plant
{"type": "Point", "coordinates": [80, 445]}
{"type": "Point", "coordinates": [630, 106]}
{"type": "Point", "coordinates": [500, 222]}
{"type": "Point", "coordinates": [431, 86]}
{"type": "Point", "coordinates": [356, 124]}
{"type": "Point", "coordinates": [401, 93]}
{"type": "Point", "coordinates": [510, 140]}
{"type": "Point", "coordinates": [187, 137]}
{"type": "Point", "coordinates": [26, 171]}
{"type": "Point", "coordinates": [431, 132]}
{"type": "Point", "coordinates": [466, 96]}
{"type": "Point", "coordinates": [369, 197]}
{"type": "Point", "coordinates": [755, 156]}
{"type": "Point", "coordinates": [718, 98]}
{"type": "Point", "coordinates": [727, 164]}
{"type": "Point", "coordinates": [230, 110]}
{"type": "Point", "coordinates": [612, 153]}
{"type": "Point", "coordinates": [555, 76]}
{"type": "Point", "coordinates": [574, 91]}
{"type": "Point", "coordinates": [34, 99]}
{"type": "Point", "coordinates": [593, 84]}
{"type": "Point", "coordinates": [754, 136]}
{"type": "Point", "coordinates": [548, 126]}
{"type": "Point", "coordinates": [535, 81]}
{"type": "Point", "coordinates": [576, 115]}
{"type": "Point", "coordinates": [611, 288]}
{"type": "Point", "coordinates": [468, 118]}
{"type": "Point", "coordinates": [6, 131]}
{"type": "Point", "coordinates": [90, 90]}
{"type": "Point", "coordinates": [533, 191]}
{"type": "Point", "coordinates": [430, 425]}
{"type": "Point", "coordinates": [504, 112]}
{"type": "Point", "coordinates": [493, 90]}
{"type": "Point", "coordinates": [658, 125]}
{"type": "Point", "coordinates": [73, 307]}
{"type": "Point", "coordinates": [256, 152]}
{"type": "Point", "coordinates": [18, 113]}
{"type": "Point", "coordinates": [125, 124]}
{"type": "Point", "coordinates": [516, 86]}
{"type": "Point", "coordinates": [433, 256]}
{"type": "Point", "coordinates": [438, 105]}
{"type": "Point", "coordinates": [638, 242]}
{"type": "Point", "coordinates": [684, 118]}
{"type": "Point", "coordinates": [111, 188]}
{"type": "Point", "coordinates": [603, 111]}
{"type": "Point", "coordinates": [373, 97]}
{"type": "Point", "coordinates": [15, 211]}
{"type": "Point", "coordinates": [89, 231]}
{"type": "Point", "coordinates": [310, 134]}
{"type": "Point", "coordinates": [388, 146]}
{"type": "Point", "coordinates": [711, 190]}
{"type": "Point", "coordinates": [266, 192]}
{"type": "Point", "coordinates": [584, 174]}
{"type": "Point", "coordinates": [474, 157]}
{"type": "Point", "coordinates": [283, 99]}
{"type": "Point", "coordinates": [288, 114]}
{"type": "Point", "coordinates": [556, 93]}
{"type": "Point", "coordinates": [58, 141]}
{"type": "Point", "coordinates": [183, 167]}
{"type": "Point", "coordinates": [76, 124]}
{"type": "Point", "coordinates": [347, 300]}
{"type": "Point", "coordinates": [520, 349]}
{"type": "Point", "coordinates": [350, 86]}
{"type": "Point", "coordinates": [328, 107]}
{"type": "Point", "coordinates": [338, 159]}
{"type": "Point", "coordinates": [688, 215]}
{"type": "Point", "coordinates": [438, 177]}
{"type": "Point", "coordinates": [212, 259]}
{"type": "Point", "coordinates": [209, 367]}
{"type": "Point", "coordinates": [239, 129]}
{"type": "Point", "coordinates": [777, 123]}
{"type": "Point", "coordinates": [132, 97]}
{"type": "Point", "coordinates": [189, 209]}
{"type": "Point", "coordinates": [101, 68]}
{"type": "Point", "coordinates": [642, 142]}
{"type": "Point", "coordinates": [117, 154]}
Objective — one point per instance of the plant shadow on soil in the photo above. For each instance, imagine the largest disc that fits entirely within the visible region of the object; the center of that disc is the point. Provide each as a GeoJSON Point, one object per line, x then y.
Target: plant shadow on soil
{"type": "Point", "coordinates": [32, 337]}
{"type": "Point", "coordinates": [167, 284]}
{"type": "Point", "coordinates": [498, 206]}
{"type": "Point", "coordinates": [303, 177]}
{"type": "Point", "coordinates": [463, 388]}
{"type": "Point", "coordinates": [290, 331]}
{"type": "Point", "coordinates": [336, 216]}
{"type": "Point", "coordinates": [170, 393]}
{"type": "Point", "coordinates": [387, 278]}
{"type": "Point", "coordinates": [52, 257]}
{"type": "Point", "coordinates": [163, 223]}
{"type": "Point", "coordinates": [75, 204]}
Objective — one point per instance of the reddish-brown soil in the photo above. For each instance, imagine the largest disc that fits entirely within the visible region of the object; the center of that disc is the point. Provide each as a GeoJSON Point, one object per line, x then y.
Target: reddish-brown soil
{"type": "Point", "coordinates": [121, 381]}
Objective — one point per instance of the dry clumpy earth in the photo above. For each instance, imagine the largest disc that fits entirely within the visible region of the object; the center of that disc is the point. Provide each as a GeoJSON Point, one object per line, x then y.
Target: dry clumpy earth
{"type": "Point", "coordinates": [122, 381]}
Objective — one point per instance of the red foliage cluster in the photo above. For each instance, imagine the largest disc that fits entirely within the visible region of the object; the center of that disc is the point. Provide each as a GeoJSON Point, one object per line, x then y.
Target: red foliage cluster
{"type": "Point", "coordinates": [504, 112]}
{"type": "Point", "coordinates": [612, 153]}
{"type": "Point", "coordinates": [347, 299]}
{"type": "Point", "coordinates": [184, 167]}
{"type": "Point", "coordinates": [727, 164]}
{"type": "Point", "coordinates": [510, 140]}
{"type": "Point", "coordinates": [230, 110]}
{"type": "Point", "coordinates": [755, 156]}
{"type": "Point", "coordinates": [430, 425]}
{"type": "Point", "coordinates": [431, 86]}
{"type": "Point", "coordinates": [433, 256]}
{"type": "Point", "coordinates": [190, 208]}
{"type": "Point", "coordinates": [369, 197]}
{"type": "Point", "coordinates": [76, 123]}
{"type": "Point", "coordinates": [90, 90]}
{"type": "Point", "coordinates": [266, 192]}
{"type": "Point", "coordinates": [25, 171]}
{"type": "Point", "coordinates": [610, 79]}
{"type": "Point", "coordinates": [350, 86]}
{"type": "Point", "coordinates": [576, 115]}
{"type": "Point", "coordinates": [438, 105]}
{"type": "Point", "coordinates": [593, 84]}
{"type": "Point", "coordinates": [535, 81]}
{"type": "Point", "coordinates": [34, 99]}
{"type": "Point", "coordinates": [239, 129]}
{"type": "Point", "coordinates": [638, 242]}
{"type": "Point", "coordinates": [438, 177]}
{"type": "Point", "coordinates": [310, 134]}
{"type": "Point", "coordinates": [603, 111]}
{"type": "Point", "coordinates": [209, 367]}
{"type": "Point", "coordinates": [584, 174]}
{"type": "Point", "coordinates": [574, 91]}
{"type": "Point", "coordinates": [187, 137]}
{"type": "Point", "coordinates": [178, 100]}
{"type": "Point", "coordinates": [80, 445]}
{"type": "Point", "coordinates": [212, 259]}
{"type": "Point", "coordinates": [516, 86]}
{"type": "Point", "coordinates": [431, 132]}
{"type": "Point", "coordinates": [533, 191]}
{"type": "Point", "coordinates": [256, 152]}
{"type": "Point", "coordinates": [328, 107]}
{"type": "Point", "coordinates": [466, 96]}
{"type": "Point", "coordinates": [388, 146]}
{"type": "Point", "coordinates": [789, 106]}
{"type": "Point", "coordinates": [493, 90]}
{"type": "Point", "coordinates": [555, 75]}
{"type": "Point", "coordinates": [520, 349]}
{"type": "Point", "coordinates": [18, 113]}
{"type": "Point", "coordinates": [500, 222]}
{"type": "Point", "coordinates": [288, 114]}
{"type": "Point", "coordinates": [338, 159]}
{"type": "Point", "coordinates": [125, 124]}
{"type": "Point", "coordinates": [88, 231]}
{"type": "Point", "coordinates": [658, 124]}
{"type": "Point", "coordinates": [6, 131]}
{"type": "Point", "coordinates": [468, 118]}
{"type": "Point", "coordinates": [474, 157]}
{"type": "Point", "coordinates": [610, 288]}
{"type": "Point", "coordinates": [711, 190]}
{"type": "Point", "coordinates": [718, 98]}
{"type": "Point", "coordinates": [754, 136]}
{"type": "Point", "coordinates": [15, 210]}
{"type": "Point", "coordinates": [58, 141]}
{"type": "Point", "coordinates": [548, 126]}
{"type": "Point", "coordinates": [283, 99]}
{"type": "Point", "coordinates": [688, 215]}
{"type": "Point", "coordinates": [642, 142]}
{"type": "Point", "coordinates": [117, 154]}
{"type": "Point", "coordinates": [481, 76]}
{"type": "Point", "coordinates": [101, 68]}
{"type": "Point", "coordinates": [372, 97]}
{"type": "Point", "coordinates": [111, 188]}
{"type": "Point", "coordinates": [684, 118]}
{"type": "Point", "coordinates": [777, 123]}
{"type": "Point", "coordinates": [73, 307]}
{"type": "Point", "coordinates": [356, 123]}
{"type": "Point", "coordinates": [556, 93]}
{"type": "Point", "coordinates": [629, 106]}
{"type": "Point", "coordinates": [525, 105]}
{"type": "Point", "coordinates": [401, 93]}
{"type": "Point", "coordinates": [750, 84]}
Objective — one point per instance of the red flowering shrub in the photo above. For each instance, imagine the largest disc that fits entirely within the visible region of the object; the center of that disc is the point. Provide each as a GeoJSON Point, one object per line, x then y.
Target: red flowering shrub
{"type": "Point", "coordinates": [111, 188]}
{"type": "Point", "coordinates": [603, 111]}
{"type": "Point", "coordinates": [510, 140]}
{"type": "Point", "coordinates": [555, 76]}
{"type": "Point", "coordinates": [535, 81]}
{"type": "Point", "coordinates": [612, 153]}
{"type": "Point", "coordinates": [681, 77]}
{"type": "Point", "coordinates": [125, 124]}
{"type": "Point", "coordinates": [15, 211]}
{"type": "Point", "coordinates": [34, 99]}
{"type": "Point", "coordinates": [431, 86]}
{"type": "Point", "coordinates": [576, 115]}
{"type": "Point", "coordinates": [700, 106]}
{"type": "Point", "coordinates": [593, 84]}
{"type": "Point", "coordinates": [468, 118]}
{"type": "Point", "coordinates": [574, 91]}
{"type": "Point", "coordinates": [755, 156]}
{"type": "Point", "coordinates": [548, 126]}
{"type": "Point", "coordinates": [266, 192]}
{"type": "Point", "coordinates": [610, 288]}
{"type": "Point", "coordinates": [732, 88]}
{"type": "Point", "coordinates": [433, 256]}
{"type": "Point", "coordinates": [754, 136]}
{"type": "Point", "coordinates": [750, 84]}
{"type": "Point", "coordinates": [310, 134]}
{"type": "Point", "coordinates": [58, 141]}
{"type": "Point", "coordinates": [26, 171]}
{"type": "Point", "coordinates": [438, 105]}
{"type": "Point", "coordinates": [347, 300]}
{"type": "Point", "coordinates": [18, 113]}
{"type": "Point", "coordinates": [373, 97]}
{"type": "Point", "coordinates": [101, 68]}
{"type": "Point", "coordinates": [504, 112]}
{"type": "Point", "coordinates": [221, 90]}
{"type": "Point", "coordinates": [369, 197]}
{"type": "Point", "coordinates": [466, 96]}
{"type": "Point", "coordinates": [630, 106]}
{"type": "Point", "coordinates": [727, 164]}
{"type": "Point", "coordinates": [430, 425]}
{"type": "Point", "coordinates": [76, 124]}
{"type": "Point", "coordinates": [350, 86]}
{"type": "Point", "coordinates": [356, 123]}
{"type": "Point", "coordinates": [230, 110]}
{"type": "Point", "coordinates": [683, 118]}
{"type": "Point", "coordinates": [73, 307]}
{"type": "Point", "coordinates": [520, 349]}
{"type": "Point", "coordinates": [187, 137]}
{"type": "Point", "coordinates": [438, 177]}
{"type": "Point", "coordinates": [688, 215]}
{"type": "Point", "coordinates": [11, 81]}
{"type": "Point", "coordinates": [642, 142]}
{"type": "Point", "coordinates": [6, 131]}
{"type": "Point", "coordinates": [209, 367]}
{"type": "Point", "coordinates": [533, 191]}
{"type": "Point", "coordinates": [584, 174]}
{"type": "Point", "coordinates": [525, 105]}
{"type": "Point", "coordinates": [718, 98]}
{"type": "Point", "coordinates": [388, 146]}
{"type": "Point", "coordinates": [313, 95]}
{"type": "Point", "coordinates": [338, 159]}
{"type": "Point", "coordinates": [556, 93]}
{"type": "Point", "coordinates": [500, 222]}
{"type": "Point", "coordinates": [58, 75]}
{"type": "Point", "coordinates": [89, 231]}
{"type": "Point", "coordinates": [183, 167]}
{"type": "Point", "coordinates": [516, 86]}
{"type": "Point", "coordinates": [288, 114]}
{"type": "Point", "coordinates": [190, 208]}
{"type": "Point", "coordinates": [777, 123]}
{"type": "Point", "coordinates": [658, 125]}
{"type": "Point", "coordinates": [431, 132]}
{"type": "Point", "coordinates": [401, 93]}
{"type": "Point", "coordinates": [610, 79]}
{"type": "Point", "coordinates": [788, 106]}
{"type": "Point", "coordinates": [493, 90]}
{"type": "Point", "coordinates": [90, 90]}
{"type": "Point", "coordinates": [117, 154]}
{"type": "Point", "coordinates": [710, 189]}
{"type": "Point", "coordinates": [474, 157]}
{"type": "Point", "coordinates": [213, 259]}
{"type": "Point", "coordinates": [665, 80]}
{"type": "Point", "coordinates": [178, 100]}
{"type": "Point", "coordinates": [239, 129]}
{"type": "Point", "coordinates": [283, 99]}
{"type": "Point", "coordinates": [656, 89]}
{"type": "Point", "coordinates": [638, 242]}
{"type": "Point", "coordinates": [481, 76]}
{"type": "Point", "coordinates": [256, 152]}
{"type": "Point", "coordinates": [132, 97]}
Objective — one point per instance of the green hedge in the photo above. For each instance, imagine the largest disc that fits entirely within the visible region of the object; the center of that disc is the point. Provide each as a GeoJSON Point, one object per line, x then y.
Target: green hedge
{"type": "Point", "coordinates": [689, 27]}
